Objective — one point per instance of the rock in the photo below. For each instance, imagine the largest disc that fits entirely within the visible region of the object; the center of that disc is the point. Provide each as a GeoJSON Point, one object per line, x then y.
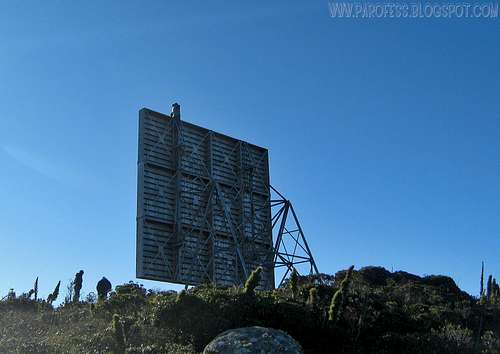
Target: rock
{"type": "Point", "coordinates": [250, 340]}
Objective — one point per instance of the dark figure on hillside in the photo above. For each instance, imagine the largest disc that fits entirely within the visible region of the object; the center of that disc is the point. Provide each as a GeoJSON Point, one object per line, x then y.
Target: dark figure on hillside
{"type": "Point", "coordinates": [103, 288]}
{"type": "Point", "coordinates": [53, 297]}
{"type": "Point", "coordinates": [77, 286]}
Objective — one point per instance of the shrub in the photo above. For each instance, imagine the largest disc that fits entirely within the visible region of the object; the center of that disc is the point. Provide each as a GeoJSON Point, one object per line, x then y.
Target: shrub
{"type": "Point", "coordinates": [338, 298]}
{"type": "Point", "coordinates": [197, 317]}
{"type": "Point", "coordinates": [313, 297]}
{"type": "Point", "coordinates": [490, 343]}
{"type": "Point", "coordinates": [119, 334]}
{"type": "Point", "coordinates": [169, 348]}
{"type": "Point", "coordinates": [294, 279]}
{"type": "Point", "coordinates": [253, 281]}
{"type": "Point", "coordinates": [53, 297]}
{"type": "Point", "coordinates": [103, 287]}
{"type": "Point", "coordinates": [77, 283]}
{"type": "Point", "coordinates": [35, 289]}
{"type": "Point", "coordinates": [125, 300]}
{"type": "Point", "coordinates": [454, 338]}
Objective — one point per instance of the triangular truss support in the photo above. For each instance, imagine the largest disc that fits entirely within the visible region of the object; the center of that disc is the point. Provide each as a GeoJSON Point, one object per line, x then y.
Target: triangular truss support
{"type": "Point", "coordinates": [291, 250]}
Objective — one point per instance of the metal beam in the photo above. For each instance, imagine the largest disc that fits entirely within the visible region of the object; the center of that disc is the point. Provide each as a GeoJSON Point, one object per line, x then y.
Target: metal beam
{"type": "Point", "coordinates": [283, 257]}
{"type": "Point", "coordinates": [229, 223]}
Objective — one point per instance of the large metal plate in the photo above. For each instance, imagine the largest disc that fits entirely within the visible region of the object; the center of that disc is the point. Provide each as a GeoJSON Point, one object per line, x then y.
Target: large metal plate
{"type": "Point", "coordinates": [203, 213]}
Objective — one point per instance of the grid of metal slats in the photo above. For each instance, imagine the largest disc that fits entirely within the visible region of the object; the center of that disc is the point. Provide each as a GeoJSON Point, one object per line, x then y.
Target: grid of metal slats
{"type": "Point", "coordinates": [203, 212]}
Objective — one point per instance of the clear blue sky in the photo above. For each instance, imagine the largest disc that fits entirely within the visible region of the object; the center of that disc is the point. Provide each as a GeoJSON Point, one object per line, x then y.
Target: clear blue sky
{"type": "Point", "coordinates": [384, 133]}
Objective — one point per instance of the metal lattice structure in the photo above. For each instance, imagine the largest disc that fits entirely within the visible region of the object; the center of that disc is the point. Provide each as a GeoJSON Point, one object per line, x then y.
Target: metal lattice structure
{"type": "Point", "coordinates": [204, 212]}
{"type": "Point", "coordinates": [291, 250]}
{"type": "Point", "coordinates": [203, 204]}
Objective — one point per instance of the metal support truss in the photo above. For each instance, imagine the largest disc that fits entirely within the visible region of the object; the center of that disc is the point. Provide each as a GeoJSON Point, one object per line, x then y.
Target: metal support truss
{"type": "Point", "coordinates": [291, 250]}
{"type": "Point", "coordinates": [206, 210]}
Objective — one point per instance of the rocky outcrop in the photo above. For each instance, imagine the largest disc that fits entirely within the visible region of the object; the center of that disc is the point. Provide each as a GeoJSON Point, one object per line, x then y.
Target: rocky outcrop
{"type": "Point", "coordinates": [250, 340]}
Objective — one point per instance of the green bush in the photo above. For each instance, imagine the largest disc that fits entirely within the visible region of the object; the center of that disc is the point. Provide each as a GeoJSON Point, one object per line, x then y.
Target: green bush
{"type": "Point", "coordinates": [294, 283]}
{"type": "Point", "coordinates": [339, 298]}
{"type": "Point", "coordinates": [381, 312]}
{"type": "Point", "coordinates": [253, 281]}
{"type": "Point", "coordinates": [127, 299]}
{"type": "Point", "coordinates": [198, 317]}
{"type": "Point", "coordinates": [169, 348]}
{"type": "Point", "coordinates": [313, 297]}
{"type": "Point", "coordinates": [119, 334]}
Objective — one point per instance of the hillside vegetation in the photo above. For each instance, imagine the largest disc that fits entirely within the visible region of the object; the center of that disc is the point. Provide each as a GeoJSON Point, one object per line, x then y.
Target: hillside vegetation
{"type": "Point", "coordinates": [367, 311]}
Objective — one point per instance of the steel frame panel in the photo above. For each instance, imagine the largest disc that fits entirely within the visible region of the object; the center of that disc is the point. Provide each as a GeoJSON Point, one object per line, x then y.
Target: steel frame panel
{"type": "Point", "coordinates": [198, 195]}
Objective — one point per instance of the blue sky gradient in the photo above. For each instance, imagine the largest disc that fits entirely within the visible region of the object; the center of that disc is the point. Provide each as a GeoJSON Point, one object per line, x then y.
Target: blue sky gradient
{"type": "Point", "coordinates": [384, 133]}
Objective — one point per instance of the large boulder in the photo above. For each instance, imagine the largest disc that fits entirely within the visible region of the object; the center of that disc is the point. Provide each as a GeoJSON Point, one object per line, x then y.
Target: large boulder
{"type": "Point", "coordinates": [250, 340]}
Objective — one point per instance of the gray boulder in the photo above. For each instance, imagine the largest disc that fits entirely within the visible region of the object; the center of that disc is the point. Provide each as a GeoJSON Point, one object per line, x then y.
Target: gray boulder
{"type": "Point", "coordinates": [250, 340]}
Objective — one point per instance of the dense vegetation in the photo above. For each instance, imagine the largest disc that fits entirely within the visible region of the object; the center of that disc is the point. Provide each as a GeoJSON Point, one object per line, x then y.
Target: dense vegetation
{"type": "Point", "coordinates": [367, 311]}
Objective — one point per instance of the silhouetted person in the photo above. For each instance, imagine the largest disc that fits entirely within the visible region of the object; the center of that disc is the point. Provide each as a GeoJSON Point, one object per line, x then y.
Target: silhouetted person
{"type": "Point", "coordinates": [103, 288]}
{"type": "Point", "coordinates": [78, 286]}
